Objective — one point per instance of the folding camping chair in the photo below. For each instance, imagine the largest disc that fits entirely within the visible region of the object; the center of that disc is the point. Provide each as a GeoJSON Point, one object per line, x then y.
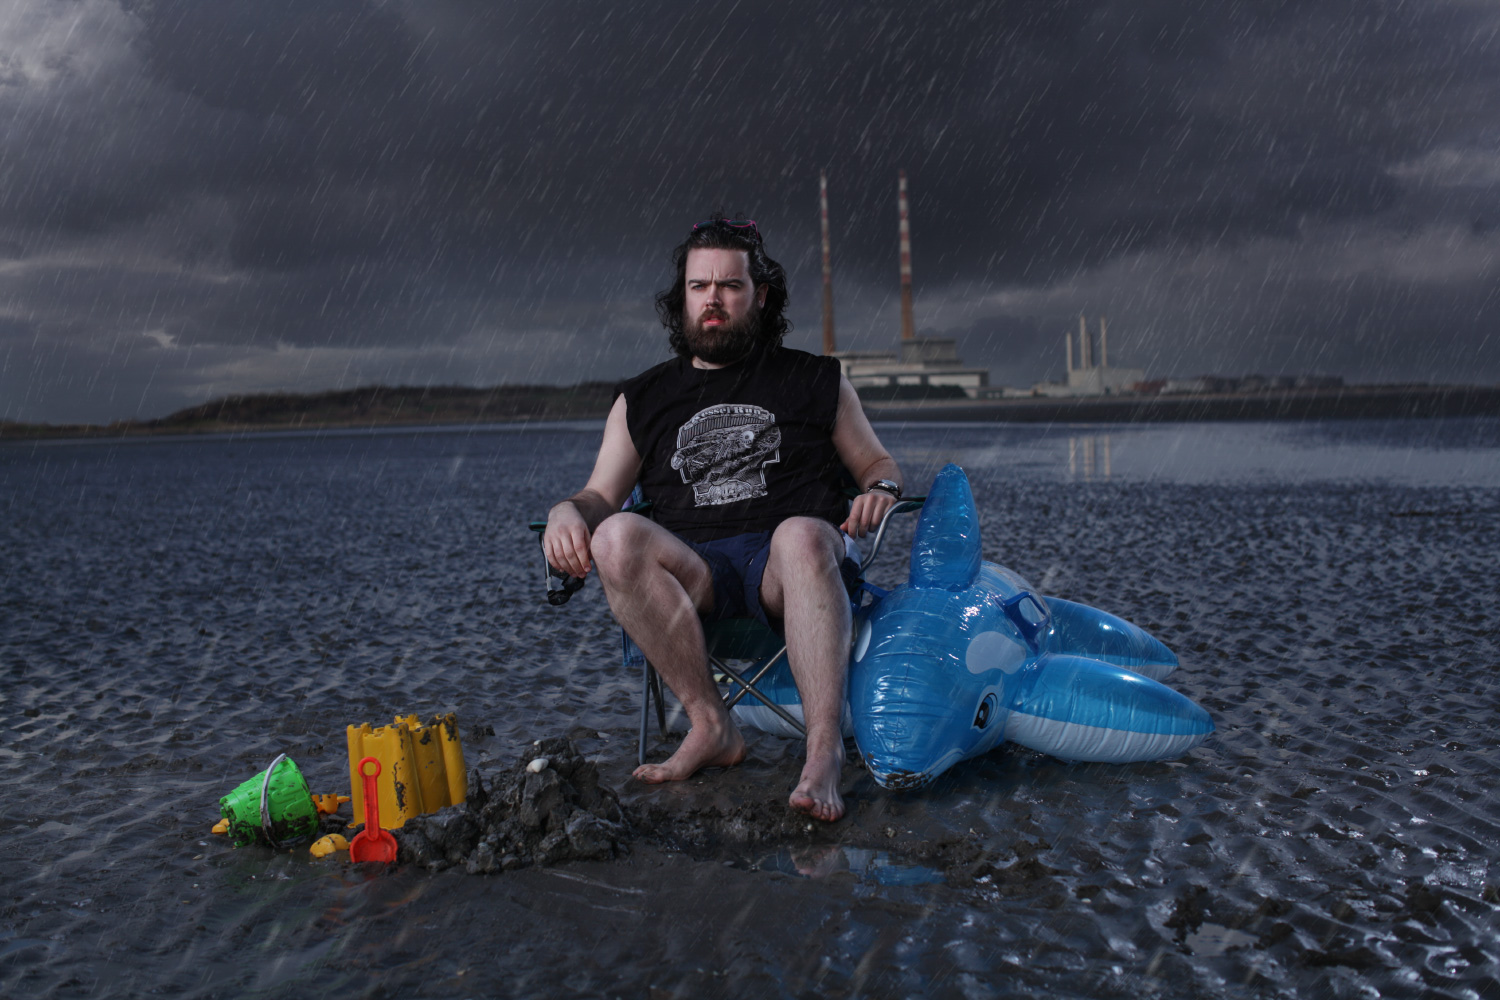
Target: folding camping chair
{"type": "Point", "coordinates": [738, 639]}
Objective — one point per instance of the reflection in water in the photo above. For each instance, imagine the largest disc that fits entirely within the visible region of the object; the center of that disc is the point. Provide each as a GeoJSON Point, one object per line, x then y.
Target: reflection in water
{"type": "Point", "coordinates": [866, 865]}
{"type": "Point", "coordinates": [1440, 453]}
{"type": "Point", "coordinates": [1092, 452]}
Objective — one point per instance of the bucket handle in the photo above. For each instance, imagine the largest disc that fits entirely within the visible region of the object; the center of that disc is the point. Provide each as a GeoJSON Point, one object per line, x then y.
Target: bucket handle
{"type": "Point", "coordinates": [265, 801]}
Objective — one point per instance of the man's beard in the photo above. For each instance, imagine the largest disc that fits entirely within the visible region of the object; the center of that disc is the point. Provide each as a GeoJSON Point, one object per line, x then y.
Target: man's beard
{"type": "Point", "coordinates": [724, 344]}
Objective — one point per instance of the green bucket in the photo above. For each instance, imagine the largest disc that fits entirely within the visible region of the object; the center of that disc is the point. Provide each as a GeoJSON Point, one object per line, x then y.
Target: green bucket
{"type": "Point", "coordinates": [273, 808]}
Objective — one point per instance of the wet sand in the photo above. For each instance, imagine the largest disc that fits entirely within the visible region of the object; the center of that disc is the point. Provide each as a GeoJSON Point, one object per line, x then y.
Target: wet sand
{"type": "Point", "coordinates": [177, 613]}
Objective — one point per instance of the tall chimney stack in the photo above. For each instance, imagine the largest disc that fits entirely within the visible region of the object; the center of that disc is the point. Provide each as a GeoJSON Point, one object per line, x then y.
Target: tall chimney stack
{"type": "Point", "coordinates": [1068, 343]}
{"type": "Point", "coordinates": [1085, 356]}
{"type": "Point", "coordinates": [828, 342]}
{"type": "Point", "coordinates": [1103, 344]}
{"type": "Point", "coordinates": [908, 327]}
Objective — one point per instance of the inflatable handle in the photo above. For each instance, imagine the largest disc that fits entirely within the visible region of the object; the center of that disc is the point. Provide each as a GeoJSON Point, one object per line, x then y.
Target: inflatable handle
{"type": "Point", "coordinates": [1030, 630]}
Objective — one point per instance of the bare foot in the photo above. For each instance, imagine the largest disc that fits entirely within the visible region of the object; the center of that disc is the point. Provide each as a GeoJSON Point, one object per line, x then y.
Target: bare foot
{"type": "Point", "coordinates": [817, 794]}
{"type": "Point", "coordinates": [703, 746]}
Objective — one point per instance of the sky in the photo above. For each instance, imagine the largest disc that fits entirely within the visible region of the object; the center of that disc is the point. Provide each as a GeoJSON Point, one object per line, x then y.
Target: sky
{"type": "Point", "coordinates": [202, 199]}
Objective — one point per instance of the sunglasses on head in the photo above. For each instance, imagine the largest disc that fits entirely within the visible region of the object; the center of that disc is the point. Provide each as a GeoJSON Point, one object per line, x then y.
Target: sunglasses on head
{"type": "Point", "coordinates": [731, 223]}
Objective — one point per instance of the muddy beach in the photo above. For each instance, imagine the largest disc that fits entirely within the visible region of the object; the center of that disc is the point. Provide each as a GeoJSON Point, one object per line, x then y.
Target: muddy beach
{"type": "Point", "coordinates": [174, 613]}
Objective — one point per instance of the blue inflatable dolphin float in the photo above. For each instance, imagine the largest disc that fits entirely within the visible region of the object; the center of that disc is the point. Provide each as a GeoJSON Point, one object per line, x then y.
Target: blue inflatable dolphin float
{"type": "Point", "coordinates": [966, 654]}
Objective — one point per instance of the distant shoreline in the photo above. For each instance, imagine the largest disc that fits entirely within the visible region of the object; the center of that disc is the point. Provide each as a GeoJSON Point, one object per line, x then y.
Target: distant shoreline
{"type": "Point", "coordinates": [1343, 402]}
{"type": "Point", "coordinates": [417, 407]}
{"type": "Point", "coordinates": [349, 409]}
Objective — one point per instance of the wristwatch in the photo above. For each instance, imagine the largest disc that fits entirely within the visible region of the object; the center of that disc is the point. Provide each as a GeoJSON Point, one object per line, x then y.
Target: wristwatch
{"type": "Point", "coordinates": [885, 486]}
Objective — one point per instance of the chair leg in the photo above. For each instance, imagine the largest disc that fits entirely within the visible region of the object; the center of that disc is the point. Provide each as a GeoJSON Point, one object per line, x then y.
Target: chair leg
{"type": "Point", "coordinates": [651, 690]}
{"type": "Point", "coordinates": [661, 704]}
{"type": "Point", "coordinates": [647, 675]}
{"type": "Point", "coordinates": [731, 700]}
{"type": "Point", "coordinates": [754, 693]}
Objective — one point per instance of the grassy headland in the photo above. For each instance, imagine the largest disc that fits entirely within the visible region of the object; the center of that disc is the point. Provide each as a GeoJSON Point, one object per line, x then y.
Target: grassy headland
{"type": "Point", "coordinates": [372, 406]}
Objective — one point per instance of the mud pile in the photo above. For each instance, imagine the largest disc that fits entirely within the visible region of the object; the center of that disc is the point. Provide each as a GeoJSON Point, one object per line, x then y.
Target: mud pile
{"type": "Point", "coordinates": [549, 807]}
{"type": "Point", "coordinates": [552, 806]}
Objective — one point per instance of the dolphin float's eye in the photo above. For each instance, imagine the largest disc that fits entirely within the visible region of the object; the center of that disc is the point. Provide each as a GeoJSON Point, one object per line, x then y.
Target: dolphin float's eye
{"type": "Point", "coordinates": [986, 711]}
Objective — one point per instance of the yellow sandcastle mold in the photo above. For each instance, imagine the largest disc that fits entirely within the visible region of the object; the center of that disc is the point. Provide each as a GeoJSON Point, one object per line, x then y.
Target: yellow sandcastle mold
{"type": "Point", "coordinates": [421, 767]}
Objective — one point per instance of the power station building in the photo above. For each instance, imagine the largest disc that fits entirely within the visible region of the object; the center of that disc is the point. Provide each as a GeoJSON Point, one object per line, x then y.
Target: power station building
{"type": "Point", "coordinates": [1092, 374]}
{"type": "Point", "coordinates": [928, 367]}
{"type": "Point", "coordinates": [923, 364]}
{"type": "Point", "coordinates": [922, 367]}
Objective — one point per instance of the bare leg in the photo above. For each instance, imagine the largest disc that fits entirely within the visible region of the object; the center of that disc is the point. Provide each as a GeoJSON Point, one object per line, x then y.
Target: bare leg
{"type": "Point", "coordinates": [802, 585]}
{"type": "Point", "coordinates": [656, 586]}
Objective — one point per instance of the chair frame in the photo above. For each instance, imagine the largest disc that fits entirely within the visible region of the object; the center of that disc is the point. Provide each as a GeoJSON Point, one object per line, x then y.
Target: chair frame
{"type": "Point", "coordinates": [728, 639]}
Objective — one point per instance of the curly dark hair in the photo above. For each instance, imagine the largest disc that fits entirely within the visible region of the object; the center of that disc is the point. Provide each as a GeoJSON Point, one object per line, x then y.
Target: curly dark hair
{"type": "Point", "coordinates": [718, 234]}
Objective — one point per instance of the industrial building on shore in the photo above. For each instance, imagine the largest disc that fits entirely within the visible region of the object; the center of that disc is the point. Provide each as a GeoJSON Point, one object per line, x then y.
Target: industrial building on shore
{"type": "Point", "coordinates": [1092, 374]}
{"type": "Point", "coordinates": [921, 367]}
{"type": "Point", "coordinates": [929, 368]}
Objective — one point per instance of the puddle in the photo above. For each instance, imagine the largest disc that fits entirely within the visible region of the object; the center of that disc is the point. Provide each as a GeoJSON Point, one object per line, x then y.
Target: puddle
{"type": "Point", "coordinates": [877, 867]}
{"type": "Point", "coordinates": [1212, 939]}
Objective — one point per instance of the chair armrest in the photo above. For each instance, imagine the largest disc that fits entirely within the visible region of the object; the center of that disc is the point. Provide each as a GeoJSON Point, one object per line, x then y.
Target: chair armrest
{"type": "Point", "coordinates": [560, 586]}
{"type": "Point", "coordinates": [903, 506]}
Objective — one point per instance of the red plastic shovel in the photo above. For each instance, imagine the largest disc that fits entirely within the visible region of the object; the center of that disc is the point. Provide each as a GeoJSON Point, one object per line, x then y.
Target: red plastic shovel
{"type": "Point", "coordinates": [372, 843]}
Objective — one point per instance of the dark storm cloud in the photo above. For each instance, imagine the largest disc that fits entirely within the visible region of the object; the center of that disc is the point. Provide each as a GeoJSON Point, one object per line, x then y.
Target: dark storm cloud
{"type": "Point", "coordinates": [212, 197]}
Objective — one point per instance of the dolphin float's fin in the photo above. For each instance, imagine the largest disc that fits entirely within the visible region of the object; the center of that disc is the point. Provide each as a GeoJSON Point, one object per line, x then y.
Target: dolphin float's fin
{"type": "Point", "coordinates": [1081, 709]}
{"type": "Point", "coordinates": [1086, 631]}
{"type": "Point", "coordinates": [945, 547]}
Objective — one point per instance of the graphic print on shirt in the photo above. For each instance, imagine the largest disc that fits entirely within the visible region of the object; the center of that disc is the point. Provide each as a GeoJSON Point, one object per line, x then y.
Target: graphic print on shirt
{"type": "Point", "coordinates": [722, 452]}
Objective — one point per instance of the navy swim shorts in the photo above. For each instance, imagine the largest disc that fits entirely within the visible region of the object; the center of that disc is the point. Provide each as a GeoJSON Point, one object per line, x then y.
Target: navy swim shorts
{"type": "Point", "coordinates": [738, 563]}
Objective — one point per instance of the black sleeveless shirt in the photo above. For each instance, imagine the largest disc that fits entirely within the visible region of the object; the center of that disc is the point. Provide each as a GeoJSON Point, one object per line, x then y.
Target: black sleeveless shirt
{"type": "Point", "coordinates": [741, 448]}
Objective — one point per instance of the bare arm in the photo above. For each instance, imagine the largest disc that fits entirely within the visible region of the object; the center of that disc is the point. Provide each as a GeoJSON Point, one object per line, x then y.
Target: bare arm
{"type": "Point", "coordinates": [865, 458]}
{"type": "Point", "coordinates": [571, 523]}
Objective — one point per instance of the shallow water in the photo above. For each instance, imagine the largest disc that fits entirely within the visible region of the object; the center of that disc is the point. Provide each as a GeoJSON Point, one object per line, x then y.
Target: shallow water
{"type": "Point", "coordinates": [177, 612]}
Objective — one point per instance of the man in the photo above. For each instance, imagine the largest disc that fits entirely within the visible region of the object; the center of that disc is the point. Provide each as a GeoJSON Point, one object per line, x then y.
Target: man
{"type": "Point", "coordinates": [741, 445]}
